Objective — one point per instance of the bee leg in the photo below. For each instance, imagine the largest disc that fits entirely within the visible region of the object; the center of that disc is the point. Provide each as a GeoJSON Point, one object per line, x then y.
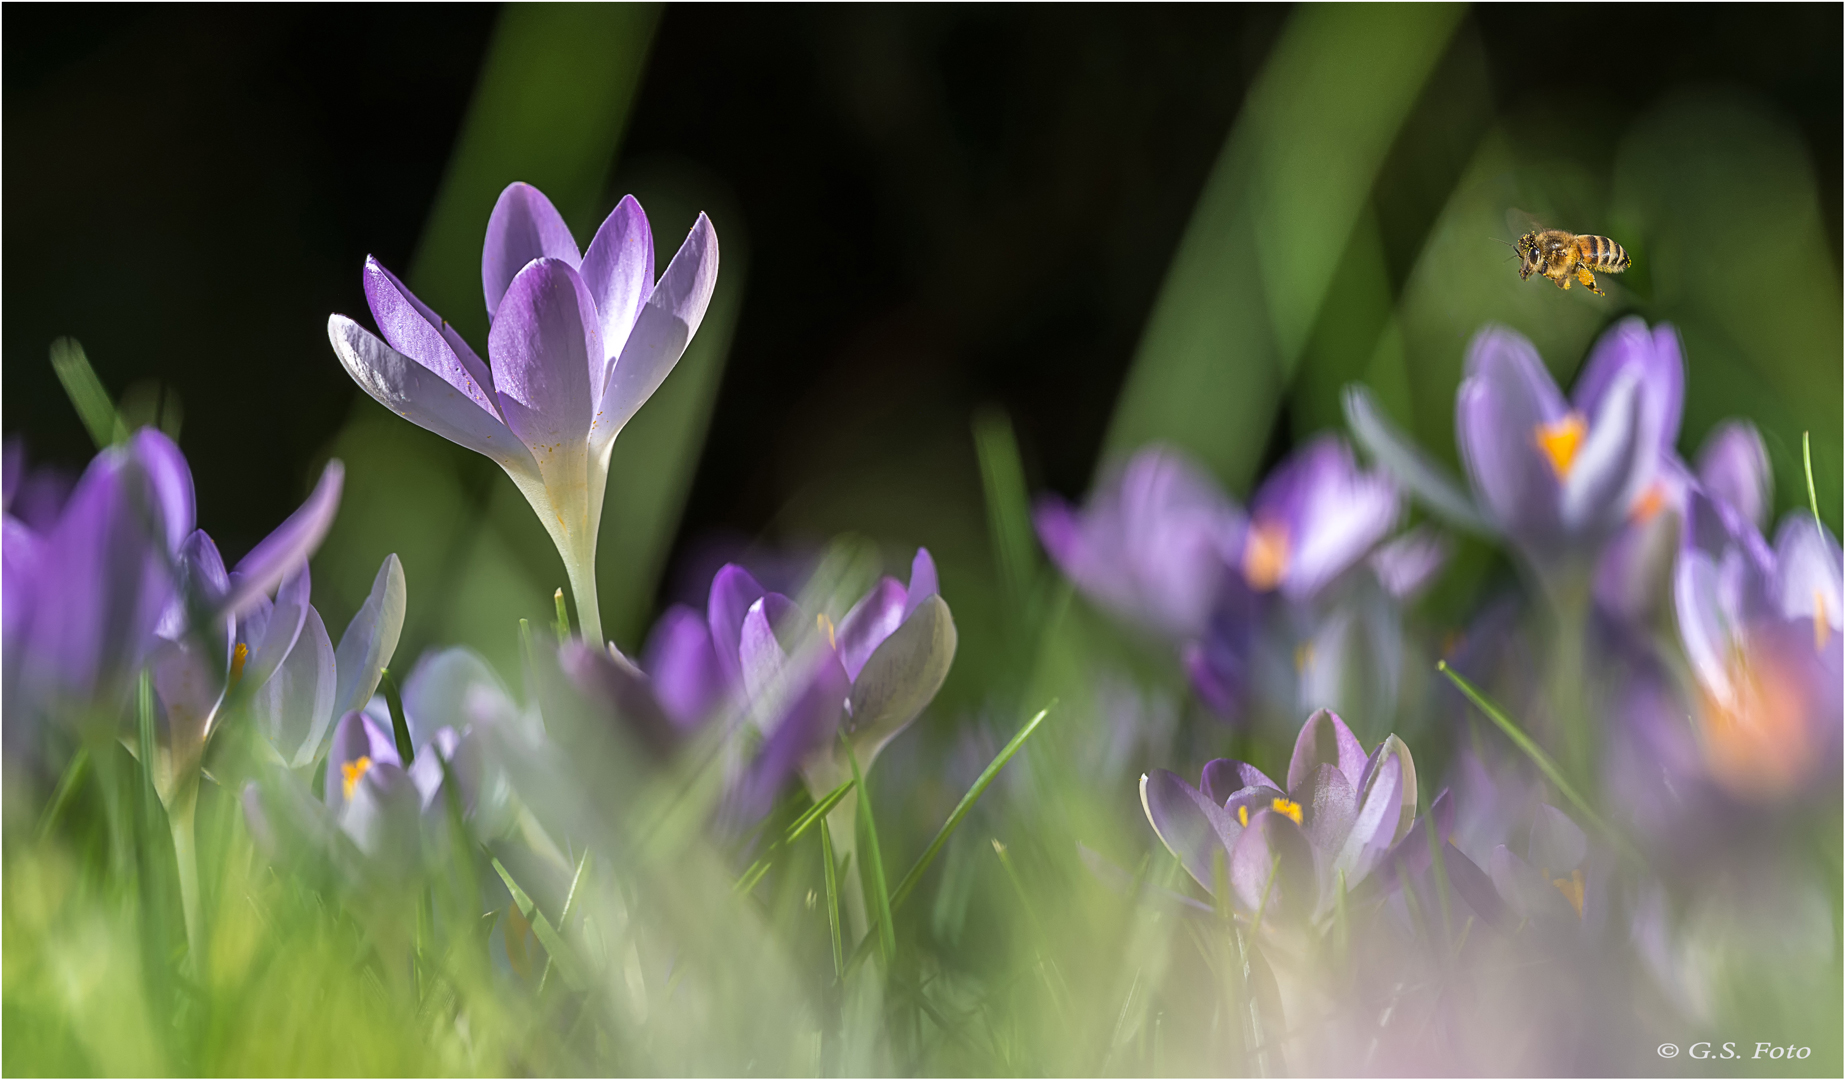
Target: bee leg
{"type": "Point", "coordinates": [1588, 281]}
{"type": "Point", "coordinates": [1563, 282]}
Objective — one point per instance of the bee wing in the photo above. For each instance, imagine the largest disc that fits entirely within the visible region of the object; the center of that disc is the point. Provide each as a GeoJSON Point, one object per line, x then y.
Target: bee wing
{"type": "Point", "coordinates": [1521, 222]}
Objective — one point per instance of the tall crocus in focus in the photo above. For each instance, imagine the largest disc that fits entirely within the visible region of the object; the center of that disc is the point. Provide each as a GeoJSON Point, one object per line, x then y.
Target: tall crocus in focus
{"type": "Point", "coordinates": [1761, 627]}
{"type": "Point", "coordinates": [579, 342]}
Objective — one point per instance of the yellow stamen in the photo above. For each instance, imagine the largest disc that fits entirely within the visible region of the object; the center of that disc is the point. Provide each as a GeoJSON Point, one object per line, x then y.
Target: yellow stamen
{"type": "Point", "coordinates": [1571, 888]}
{"type": "Point", "coordinates": [1561, 440]}
{"type": "Point", "coordinates": [1288, 808]}
{"type": "Point", "coordinates": [1303, 656]}
{"type": "Point", "coordinates": [826, 629]}
{"type": "Point", "coordinates": [1822, 628]}
{"type": "Point", "coordinates": [238, 657]}
{"type": "Point", "coordinates": [1265, 555]}
{"type": "Point", "coordinates": [1242, 816]}
{"type": "Point", "coordinates": [352, 772]}
{"type": "Point", "coordinates": [1650, 503]}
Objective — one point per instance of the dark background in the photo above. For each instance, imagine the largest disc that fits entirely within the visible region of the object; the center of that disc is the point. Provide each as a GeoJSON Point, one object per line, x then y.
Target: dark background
{"type": "Point", "coordinates": [945, 206]}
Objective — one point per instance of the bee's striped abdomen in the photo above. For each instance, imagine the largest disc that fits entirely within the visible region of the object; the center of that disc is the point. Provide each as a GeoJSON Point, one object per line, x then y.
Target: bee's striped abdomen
{"type": "Point", "coordinates": [1604, 254]}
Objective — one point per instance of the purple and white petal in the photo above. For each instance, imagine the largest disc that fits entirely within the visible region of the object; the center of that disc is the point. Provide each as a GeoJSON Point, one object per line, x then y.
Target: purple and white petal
{"type": "Point", "coordinates": [618, 269]}
{"type": "Point", "coordinates": [285, 551]}
{"type": "Point", "coordinates": [1617, 460]}
{"type": "Point", "coordinates": [524, 226]}
{"type": "Point", "coordinates": [733, 590]}
{"type": "Point", "coordinates": [1654, 357]}
{"type": "Point", "coordinates": [409, 326]}
{"type": "Point", "coordinates": [370, 639]}
{"type": "Point", "coordinates": [545, 346]}
{"type": "Point", "coordinates": [1325, 740]}
{"type": "Point", "coordinates": [664, 327]}
{"type": "Point", "coordinates": [1197, 831]}
{"type": "Point", "coordinates": [1506, 397]}
{"type": "Point", "coordinates": [1733, 467]}
{"type": "Point", "coordinates": [874, 618]}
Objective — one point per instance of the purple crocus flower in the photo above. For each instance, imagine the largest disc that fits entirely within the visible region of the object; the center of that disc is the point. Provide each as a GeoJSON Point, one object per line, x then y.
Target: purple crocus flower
{"type": "Point", "coordinates": [797, 680]}
{"type": "Point", "coordinates": [132, 577]}
{"type": "Point", "coordinates": [1556, 476]}
{"type": "Point", "coordinates": [579, 343]}
{"type": "Point", "coordinates": [1761, 628]}
{"type": "Point", "coordinates": [1288, 852]}
{"type": "Point", "coordinates": [1152, 545]}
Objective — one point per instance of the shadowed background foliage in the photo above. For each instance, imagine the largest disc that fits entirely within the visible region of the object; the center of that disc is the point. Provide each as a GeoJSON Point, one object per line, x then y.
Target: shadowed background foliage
{"type": "Point", "coordinates": [922, 210]}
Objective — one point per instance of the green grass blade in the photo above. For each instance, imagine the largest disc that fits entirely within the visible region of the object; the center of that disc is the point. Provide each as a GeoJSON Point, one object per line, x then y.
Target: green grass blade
{"type": "Point", "coordinates": [1532, 750]}
{"type": "Point", "coordinates": [563, 917]}
{"type": "Point", "coordinates": [1008, 505]}
{"type": "Point", "coordinates": [68, 783]}
{"type": "Point", "coordinates": [874, 858]}
{"type": "Point", "coordinates": [987, 775]}
{"type": "Point", "coordinates": [541, 926]}
{"type": "Point", "coordinates": [832, 900]}
{"type": "Point", "coordinates": [1806, 455]}
{"type": "Point", "coordinates": [86, 393]}
{"type": "Point", "coordinates": [400, 724]}
{"type": "Point", "coordinates": [816, 812]}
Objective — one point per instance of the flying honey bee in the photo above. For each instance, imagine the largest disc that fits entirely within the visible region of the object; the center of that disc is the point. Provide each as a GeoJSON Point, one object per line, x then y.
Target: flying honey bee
{"type": "Point", "coordinates": [1565, 257]}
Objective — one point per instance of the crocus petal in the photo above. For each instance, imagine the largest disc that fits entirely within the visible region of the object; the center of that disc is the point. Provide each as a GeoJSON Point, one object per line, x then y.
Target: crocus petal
{"type": "Point", "coordinates": [1505, 398]}
{"type": "Point", "coordinates": [1225, 777]}
{"type": "Point", "coordinates": [1272, 870]}
{"type": "Point", "coordinates": [687, 678]}
{"type": "Point", "coordinates": [902, 676]}
{"type": "Point", "coordinates": [733, 590]}
{"type": "Point", "coordinates": [923, 582]}
{"type": "Point", "coordinates": [1192, 826]}
{"type": "Point", "coordinates": [760, 654]}
{"type": "Point", "coordinates": [445, 688]}
{"type": "Point", "coordinates": [1733, 467]}
{"type": "Point", "coordinates": [409, 326]}
{"type": "Point", "coordinates": [524, 226]}
{"type": "Point", "coordinates": [1408, 564]}
{"type": "Point", "coordinates": [1329, 804]}
{"type": "Point", "coordinates": [545, 346]}
{"type": "Point", "coordinates": [20, 552]}
{"type": "Point", "coordinates": [1395, 747]}
{"type": "Point", "coordinates": [1617, 460]}
{"type": "Point", "coordinates": [618, 269]}
{"type": "Point", "coordinates": [286, 550]}
{"type": "Point", "coordinates": [294, 706]}
{"type": "Point", "coordinates": [1325, 740]}
{"type": "Point", "coordinates": [382, 818]}
{"type": "Point", "coordinates": [188, 686]}
{"type": "Point", "coordinates": [1332, 514]}
{"type": "Point", "coordinates": [1701, 622]}
{"type": "Point", "coordinates": [666, 324]}
{"type": "Point", "coordinates": [1418, 474]}
{"type": "Point", "coordinates": [422, 397]}
{"type": "Point", "coordinates": [1557, 844]}
{"type": "Point", "coordinates": [270, 641]}
{"type": "Point", "coordinates": [1808, 572]}
{"type": "Point", "coordinates": [1526, 891]}
{"type": "Point", "coordinates": [1654, 357]}
{"type": "Point", "coordinates": [1374, 827]}
{"type": "Point", "coordinates": [608, 678]}
{"type": "Point", "coordinates": [806, 722]}
{"type": "Point", "coordinates": [371, 638]}
{"type": "Point", "coordinates": [1476, 889]}
{"type": "Point", "coordinates": [871, 620]}
{"type": "Point", "coordinates": [170, 479]}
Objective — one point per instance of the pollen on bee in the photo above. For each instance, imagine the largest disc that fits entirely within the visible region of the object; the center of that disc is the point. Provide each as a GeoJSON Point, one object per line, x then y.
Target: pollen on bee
{"type": "Point", "coordinates": [352, 772]}
{"type": "Point", "coordinates": [1561, 440]}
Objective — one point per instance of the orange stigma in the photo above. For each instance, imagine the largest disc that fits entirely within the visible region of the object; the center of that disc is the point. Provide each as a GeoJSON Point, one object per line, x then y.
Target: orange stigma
{"type": "Point", "coordinates": [1822, 626]}
{"type": "Point", "coordinates": [352, 772]}
{"type": "Point", "coordinates": [1242, 816]}
{"type": "Point", "coordinates": [1287, 808]}
{"type": "Point", "coordinates": [826, 630]}
{"type": "Point", "coordinates": [1650, 503]}
{"type": "Point", "coordinates": [1571, 888]}
{"type": "Point", "coordinates": [238, 658]}
{"type": "Point", "coordinates": [1560, 442]}
{"type": "Point", "coordinates": [1265, 555]}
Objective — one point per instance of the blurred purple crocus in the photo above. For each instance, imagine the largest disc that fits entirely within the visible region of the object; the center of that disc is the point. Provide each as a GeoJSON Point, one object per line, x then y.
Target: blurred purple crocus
{"type": "Point", "coordinates": [579, 342]}
{"type": "Point", "coordinates": [1761, 628]}
{"type": "Point", "coordinates": [1152, 545]}
{"type": "Point", "coordinates": [122, 580]}
{"type": "Point", "coordinates": [796, 680]}
{"type": "Point", "coordinates": [1288, 852]}
{"type": "Point", "coordinates": [1555, 476]}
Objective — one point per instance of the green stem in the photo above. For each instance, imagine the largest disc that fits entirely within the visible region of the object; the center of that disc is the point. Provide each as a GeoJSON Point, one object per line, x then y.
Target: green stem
{"type": "Point", "coordinates": [181, 816]}
{"type": "Point", "coordinates": [582, 573]}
